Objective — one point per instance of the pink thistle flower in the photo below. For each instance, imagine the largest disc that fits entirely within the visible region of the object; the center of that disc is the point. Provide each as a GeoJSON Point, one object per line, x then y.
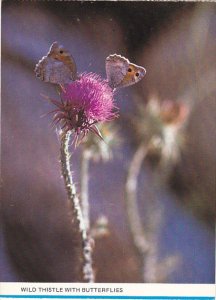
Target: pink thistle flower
{"type": "Point", "coordinates": [84, 103]}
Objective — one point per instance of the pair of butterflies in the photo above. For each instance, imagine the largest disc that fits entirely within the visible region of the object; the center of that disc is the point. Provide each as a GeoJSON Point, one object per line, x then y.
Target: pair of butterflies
{"type": "Point", "coordinates": [59, 67]}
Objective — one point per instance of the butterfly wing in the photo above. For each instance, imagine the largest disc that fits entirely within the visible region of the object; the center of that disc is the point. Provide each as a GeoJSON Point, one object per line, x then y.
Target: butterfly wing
{"type": "Point", "coordinates": [57, 66]}
{"type": "Point", "coordinates": [116, 69]}
{"type": "Point", "coordinates": [134, 74]}
{"type": "Point", "coordinates": [51, 70]}
{"type": "Point", "coordinates": [122, 73]}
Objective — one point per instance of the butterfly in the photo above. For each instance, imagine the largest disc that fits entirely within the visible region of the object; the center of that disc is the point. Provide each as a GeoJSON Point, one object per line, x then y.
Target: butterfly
{"type": "Point", "coordinates": [121, 72]}
{"type": "Point", "coordinates": [57, 67]}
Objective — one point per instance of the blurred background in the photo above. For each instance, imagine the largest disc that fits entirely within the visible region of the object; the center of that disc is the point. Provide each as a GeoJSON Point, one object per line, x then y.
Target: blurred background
{"type": "Point", "coordinates": [176, 43]}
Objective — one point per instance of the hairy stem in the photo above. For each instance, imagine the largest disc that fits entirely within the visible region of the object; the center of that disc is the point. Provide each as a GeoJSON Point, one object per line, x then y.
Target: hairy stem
{"type": "Point", "coordinates": [77, 217]}
{"type": "Point", "coordinates": [84, 187]}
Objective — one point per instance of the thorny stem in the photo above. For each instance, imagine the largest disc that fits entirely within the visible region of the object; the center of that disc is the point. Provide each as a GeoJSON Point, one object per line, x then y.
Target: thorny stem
{"type": "Point", "coordinates": [135, 224]}
{"type": "Point", "coordinates": [77, 220]}
{"type": "Point", "coordinates": [84, 178]}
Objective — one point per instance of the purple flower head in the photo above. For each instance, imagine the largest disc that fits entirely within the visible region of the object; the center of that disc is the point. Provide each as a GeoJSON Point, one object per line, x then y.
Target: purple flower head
{"type": "Point", "coordinates": [84, 103]}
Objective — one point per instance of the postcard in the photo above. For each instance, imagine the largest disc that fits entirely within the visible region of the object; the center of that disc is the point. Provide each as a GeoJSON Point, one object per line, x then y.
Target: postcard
{"type": "Point", "coordinates": [108, 150]}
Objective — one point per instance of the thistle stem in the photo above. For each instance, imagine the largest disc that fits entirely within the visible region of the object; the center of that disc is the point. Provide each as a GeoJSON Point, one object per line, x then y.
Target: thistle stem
{"type": "Point", "coordinates": [133, 216]}
{"type": "Point", "coordinates": [77, 217]}
{"type": "Point", "coordinates": [84, 179]}
{"type": "Point", "coordinates": [146, 243]}
{"type": "Point", "coordinates": [135, 225]}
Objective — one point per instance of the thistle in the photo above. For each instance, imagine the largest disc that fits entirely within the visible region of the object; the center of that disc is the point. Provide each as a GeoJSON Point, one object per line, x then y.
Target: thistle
{"type": "Point", "coordinates": [83, 103]}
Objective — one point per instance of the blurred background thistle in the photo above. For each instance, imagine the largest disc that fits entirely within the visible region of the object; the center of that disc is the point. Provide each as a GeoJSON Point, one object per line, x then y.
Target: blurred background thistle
{"type": "Point", "coordinates": [160, 126]}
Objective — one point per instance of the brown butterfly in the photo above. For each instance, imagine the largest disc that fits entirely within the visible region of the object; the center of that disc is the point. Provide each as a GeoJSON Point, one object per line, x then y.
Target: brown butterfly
{"type": "Point", "coordinates": [58, 66]}
{"type": "Point", "coordinates": [121, 72]}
